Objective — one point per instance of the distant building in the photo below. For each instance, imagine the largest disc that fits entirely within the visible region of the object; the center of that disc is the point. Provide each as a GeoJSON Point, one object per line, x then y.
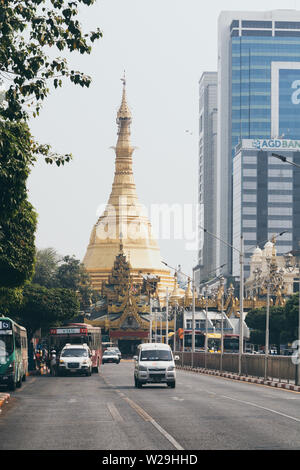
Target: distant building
{"type": "Point", "coordinates": [207, 172]}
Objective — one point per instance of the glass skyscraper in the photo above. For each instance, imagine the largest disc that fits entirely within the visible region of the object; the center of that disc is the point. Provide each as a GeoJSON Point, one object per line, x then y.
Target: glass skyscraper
{"type": "Point", "coordinates": [265, 58]}
{"type": "Point", "coordinates": [258, 98]}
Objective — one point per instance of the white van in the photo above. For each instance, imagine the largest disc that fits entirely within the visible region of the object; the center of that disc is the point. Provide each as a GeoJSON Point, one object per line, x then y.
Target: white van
{"type": "Point", "coordinates": [75, 358]}
{"type": "Point", "coordinates": [154, 364]}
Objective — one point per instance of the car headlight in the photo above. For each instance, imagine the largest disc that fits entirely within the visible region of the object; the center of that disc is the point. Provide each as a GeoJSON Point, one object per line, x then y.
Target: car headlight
{"type": "Point", "coordinates": [143, 368]}
{"type": "Point", "coordinates": [171, 368]}
{"type": "Point", "coordinates": [61, 361]}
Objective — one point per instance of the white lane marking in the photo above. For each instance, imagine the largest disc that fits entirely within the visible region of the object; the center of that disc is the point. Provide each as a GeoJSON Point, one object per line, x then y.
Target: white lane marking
{"type": "Point", "coordinates": [263, 408]}
{"type": "Point", "coordinates": [177, 398]}
{"type": "Point", "coordinates": [147, 417]}
{"type": "Point", "coordinates": [114, 412]}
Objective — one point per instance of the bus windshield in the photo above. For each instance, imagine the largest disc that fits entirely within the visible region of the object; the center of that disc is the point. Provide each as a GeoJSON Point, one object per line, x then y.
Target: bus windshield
{"type": "Point", "coordinates": [6, 346]}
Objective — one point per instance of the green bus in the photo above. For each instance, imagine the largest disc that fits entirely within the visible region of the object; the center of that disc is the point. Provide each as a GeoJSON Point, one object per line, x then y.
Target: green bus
{"type": "Point", "coordinates": [13, 353]}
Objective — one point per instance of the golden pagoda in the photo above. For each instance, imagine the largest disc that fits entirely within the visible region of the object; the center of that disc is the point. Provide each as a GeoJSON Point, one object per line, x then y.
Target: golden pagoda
{"type": "Point", "coordinates": [124, 217]}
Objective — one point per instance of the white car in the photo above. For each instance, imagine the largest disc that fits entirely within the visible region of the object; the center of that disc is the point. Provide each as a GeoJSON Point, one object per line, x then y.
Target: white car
{"type": "Point", "coordinates": [110, 356]}
{"type": "Point", "coordinates": [154, 364]}
{"type": "Point", "coordinates": [75, 358]}
{"type": "Point", "coordinates": [115, 349]}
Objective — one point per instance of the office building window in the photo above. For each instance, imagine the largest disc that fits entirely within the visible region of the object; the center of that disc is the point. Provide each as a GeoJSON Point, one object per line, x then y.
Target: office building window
{"type": "Point", "coordinates": [280, 223]}
{"type": "Point", "coordinates": [281, 185]}
{"type": "Point", "coordinates": [250, 185]}
{"type": "Point", "coordinates": [284, 211]}
{"type": "Point", "coordinates": [249, 223]}
{"type": "Point", "coordinates": [249, 172]}
{"type": "Point", "coordinates": [248, 210]}
{"type": "Point", "coordinates": [249, 197]}
{"type": "Point", "coordinates": [256, 24]}
{"type": "Point", "coordinates": [280, 198]}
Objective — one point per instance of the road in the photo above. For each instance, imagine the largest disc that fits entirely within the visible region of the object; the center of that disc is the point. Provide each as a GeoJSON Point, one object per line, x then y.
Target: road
{"type": "Point", "coordinates": [106, 412]}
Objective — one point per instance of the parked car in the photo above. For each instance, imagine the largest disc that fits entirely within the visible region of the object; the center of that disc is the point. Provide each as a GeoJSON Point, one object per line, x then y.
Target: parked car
{"type": "Point", "coordinates": [110, 356]}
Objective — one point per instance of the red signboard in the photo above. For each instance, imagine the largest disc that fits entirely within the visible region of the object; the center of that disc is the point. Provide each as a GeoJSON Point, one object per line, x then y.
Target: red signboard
{"type": "Point", "coordinates": [129, 334]}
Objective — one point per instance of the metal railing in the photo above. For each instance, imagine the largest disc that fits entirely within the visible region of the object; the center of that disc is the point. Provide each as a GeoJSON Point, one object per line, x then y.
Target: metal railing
{"type": "Point", "coordinates": [279, 368]}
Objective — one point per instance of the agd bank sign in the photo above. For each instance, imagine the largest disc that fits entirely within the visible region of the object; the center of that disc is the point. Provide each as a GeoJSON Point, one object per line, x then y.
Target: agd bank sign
{"type": "Point", "coordinates": [271, 144]}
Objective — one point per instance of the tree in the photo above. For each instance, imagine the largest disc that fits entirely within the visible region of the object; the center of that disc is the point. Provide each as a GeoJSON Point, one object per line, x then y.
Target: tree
{"type": "Point", "coordinates": [42, 307]}
{"type": "Point", "coordinates": [279, 326]}
{"type": "Point", "coordinates": [17, 217]}
{"type": "Point", "coordinates": [71, 274]}
{"type": "Point", "coordinates": [68, 272]}
{"type": "Point", "coordinates": [46, 265]}
{"type": "Point", "coordinates": [27, 30]}
{"type": "Point", "coordinates": [292, 315]}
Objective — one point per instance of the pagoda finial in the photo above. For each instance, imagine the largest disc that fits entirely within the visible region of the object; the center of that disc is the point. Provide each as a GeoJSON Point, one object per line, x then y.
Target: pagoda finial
{"type": "Point", "coordinates": [123, 80]}
{"type": "Point", "coordinates": [124, 111]}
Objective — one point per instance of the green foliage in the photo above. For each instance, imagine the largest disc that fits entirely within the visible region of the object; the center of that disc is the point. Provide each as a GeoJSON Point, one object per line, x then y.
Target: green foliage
{"type": "Point", "coordinates": [46, 265]}
{"type": "Point", "coordinates": [283, 323]}
{"type": "Point", "coordinates": [27, 29]}
{"type": "Point", "coordinates": [17, 250]}
{"type": "Point", "coordinates": [17, 217]}
{"type": "Point", "coordinates": [67, 273]}
{"type": "Point", "coordinates": [10, 300]}
{"type": "Point", "coordinates": [71, 274]}
{"type": "Point", "coordinates": [292, 315]}
{"type": "Point", "coordinates": [42, 307]}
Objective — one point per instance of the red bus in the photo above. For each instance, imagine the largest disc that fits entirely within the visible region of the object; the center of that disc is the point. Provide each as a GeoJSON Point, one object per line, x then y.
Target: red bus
{"type": "Point", "coordinates": [78, 333]}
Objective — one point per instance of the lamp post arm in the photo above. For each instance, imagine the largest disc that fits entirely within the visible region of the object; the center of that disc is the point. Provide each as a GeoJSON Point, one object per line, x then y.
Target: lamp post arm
{"type": "Point", "coordinates": [284, 159]}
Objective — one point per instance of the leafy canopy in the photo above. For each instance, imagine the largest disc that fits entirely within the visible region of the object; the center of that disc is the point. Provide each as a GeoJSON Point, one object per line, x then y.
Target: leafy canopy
{"type": "Point", "coordinates": [28, 30]}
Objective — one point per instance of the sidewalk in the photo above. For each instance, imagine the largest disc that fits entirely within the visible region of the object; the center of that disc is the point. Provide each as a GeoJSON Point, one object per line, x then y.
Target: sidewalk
{"type": "Point", "coordinates": [230, 375]}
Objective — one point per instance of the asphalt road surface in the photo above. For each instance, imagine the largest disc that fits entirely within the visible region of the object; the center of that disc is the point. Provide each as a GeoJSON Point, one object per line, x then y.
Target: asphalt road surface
{"type": "Point", "coordinates": [106, 412]}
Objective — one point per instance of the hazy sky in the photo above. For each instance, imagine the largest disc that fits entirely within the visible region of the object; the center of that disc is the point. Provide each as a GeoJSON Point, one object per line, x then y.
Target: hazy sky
{"type": "Point", "coordinates": [164, 46]}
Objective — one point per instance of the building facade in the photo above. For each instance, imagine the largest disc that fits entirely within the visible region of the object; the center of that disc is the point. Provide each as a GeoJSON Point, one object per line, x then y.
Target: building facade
{"type": "Point", "coordinates": [258, 98]}
{"type": "Point", "coordinates": [266, 197]}
{"type": "Point", "coordinates": [207, 170]}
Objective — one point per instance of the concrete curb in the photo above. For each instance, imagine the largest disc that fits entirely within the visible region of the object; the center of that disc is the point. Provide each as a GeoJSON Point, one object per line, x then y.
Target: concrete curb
{"type": "Point", "coordinates": [4, 397]}
{"type": "Point", "coordinates": [228, 375]}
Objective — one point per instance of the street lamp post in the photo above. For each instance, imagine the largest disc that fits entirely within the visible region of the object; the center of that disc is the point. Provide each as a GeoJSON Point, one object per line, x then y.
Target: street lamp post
{"type": "Point", "coordinates": [268, 259]}
{"type": "Point", "coordinates": [150, 332]}
{"type": "Point", "coordinates": [206, 328]}
{"type": "Point", "coordinates": [285, 160]}
{"type": "Point", "coordinates": [167, 316]}
{"type": "Point", "coordinates": [291, 267]}
{"type": "Point", "coordinates": [222, 322]}
{"type": "Point", "coordinates": [155, 331]}
{"type": "Point", "coordinates": [193, 319]}
{"type": "Point", "coordinates": [174, 340]}
{"type": "Point", "coordinates": [241, 335]}
{"type": "Point", "coordinates": [193, 312]}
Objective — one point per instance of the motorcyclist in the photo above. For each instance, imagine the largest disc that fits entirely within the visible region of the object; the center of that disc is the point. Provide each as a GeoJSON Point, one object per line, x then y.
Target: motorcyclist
{"type": "Point", "coordinates": [53, 363]}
